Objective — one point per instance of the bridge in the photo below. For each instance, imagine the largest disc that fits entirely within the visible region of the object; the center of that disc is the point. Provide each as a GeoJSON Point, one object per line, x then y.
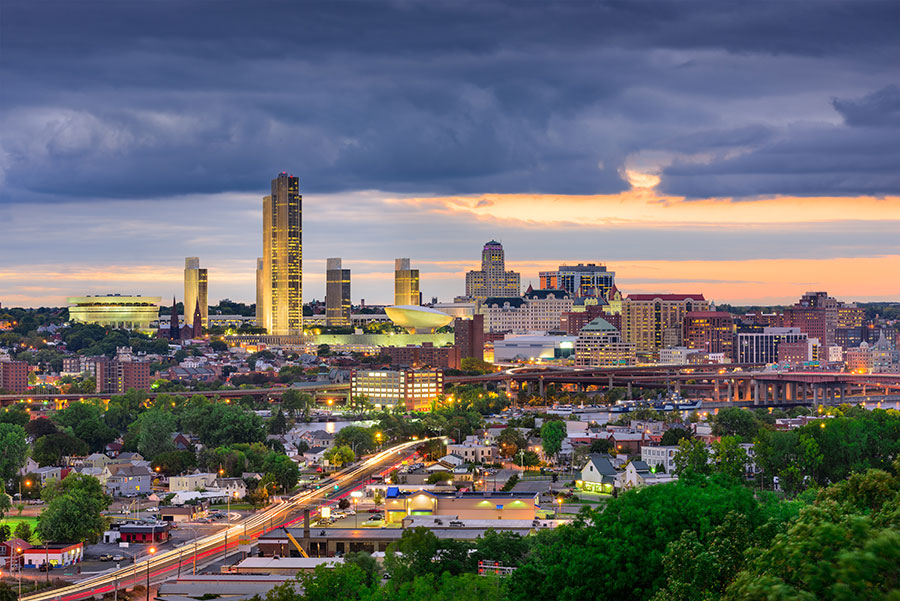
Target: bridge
{"type": "Point", "coordinates": [735, 383]}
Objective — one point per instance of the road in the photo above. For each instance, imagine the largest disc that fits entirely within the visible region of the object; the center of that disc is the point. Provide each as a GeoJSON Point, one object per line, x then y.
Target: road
{"type": "Point", "coordinates": [161, 566]}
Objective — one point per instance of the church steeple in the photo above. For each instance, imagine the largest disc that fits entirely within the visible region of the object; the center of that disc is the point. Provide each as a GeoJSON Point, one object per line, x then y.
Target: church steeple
{"type": "Point", "coordinates": [198, 322]}
{"type": "Point", "coordinates": [174, 328]}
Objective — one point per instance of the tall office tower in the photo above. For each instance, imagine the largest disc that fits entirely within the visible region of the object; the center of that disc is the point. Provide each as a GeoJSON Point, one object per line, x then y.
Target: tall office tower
{"type": "Point", "coordinates": [406, 284]}
{"type": "Point", "coordinates": [337, 294]}
{"type": "Point", "coordinates": [816, 314]}
{"type": "Point", "coordinates": [493, 281]}
{"type": "Point", "coordinates": [283, 257]}
{"type": "Point", "coordinates": [195, 291]}
{"type": "Point", "coordinates": [580, 280]}
{"type": "Point", "coordinates": [261, 290]}
{"type": "Point", "coordinates": [709, 332]}
{"type": "Point", "coordinates": [655, 321]}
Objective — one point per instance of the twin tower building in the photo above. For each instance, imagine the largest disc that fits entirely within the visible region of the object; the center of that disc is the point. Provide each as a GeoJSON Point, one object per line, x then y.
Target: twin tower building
{"type": "Point", "coordinates": [279, 272]}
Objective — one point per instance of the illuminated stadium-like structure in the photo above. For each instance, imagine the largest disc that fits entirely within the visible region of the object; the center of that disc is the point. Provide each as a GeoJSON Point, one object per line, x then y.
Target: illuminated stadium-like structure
{"type": "Point", "coordinates": [417, 319]}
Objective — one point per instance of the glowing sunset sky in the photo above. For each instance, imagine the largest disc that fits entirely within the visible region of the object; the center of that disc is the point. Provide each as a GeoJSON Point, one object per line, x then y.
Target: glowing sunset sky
{"type": "Point", "coordinates": [750, 152]}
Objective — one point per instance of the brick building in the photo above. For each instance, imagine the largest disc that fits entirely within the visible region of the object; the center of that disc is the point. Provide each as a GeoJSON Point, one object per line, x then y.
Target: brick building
{"type": "Point", "coordinates": [709, 332]}
{"type": "Point", "coordinates": [14, 375]}
{"type": "Point", "coordinates": [444, 357]}
{"type": "Point", "coordinates": [468, 337]}
{"type": "Point", "coordinates": [118, 376]}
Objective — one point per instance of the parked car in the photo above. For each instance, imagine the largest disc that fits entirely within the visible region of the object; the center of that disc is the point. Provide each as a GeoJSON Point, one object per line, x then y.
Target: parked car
{"type": "Point", "coordinates": [106, 557]}
{"type": "Point", "coordinates": [45, 567]}
{"type": "Point", "coordinates": [118, 558]}
{"type": "Point", "coordinates": [153, 510]}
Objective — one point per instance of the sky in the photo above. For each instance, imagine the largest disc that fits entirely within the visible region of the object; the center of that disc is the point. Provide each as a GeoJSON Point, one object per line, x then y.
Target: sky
{"type": "Point", "coordinates": [749, 151]}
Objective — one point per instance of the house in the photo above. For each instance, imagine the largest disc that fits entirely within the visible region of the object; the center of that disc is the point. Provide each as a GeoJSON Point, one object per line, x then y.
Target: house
{"type": "Point", "coordinates": [446, 462]}
{"type": "Point", "coordinates": [181, 442]}
{"type": "Point", "coordinates": [8, 551]}
{"type": "Point", "coordinates": [638, 473]}
{"type": "Point", "coordinates": [660, 456]}
{"type": "Point", "coordinates": [96, 460]}
{"type": "Point", "coordinates": [473, 453]}
{"type": "Point", "coordinates": [57, 554]}
{"type": "Point", "coordinates": [30, 466]}
{"type": "Point", "coordinates": [127, 480]}
{"type": "Point", "coordinates": [318, 438]}
{"type": "Point", "coordinates": [48, 473]}
{"type": "Point", "coordinates": [113, 449]}
{"type": "Point", "coordinates": [235, 488]}
{"type": "Point", "coordinates": [191, 482]}
{"type": "Point", "coordinates": [129, 457]}
{"type": "Point", "coordinates": [598, 474]}
{"type": "Point", "coordinates": [315, 454]}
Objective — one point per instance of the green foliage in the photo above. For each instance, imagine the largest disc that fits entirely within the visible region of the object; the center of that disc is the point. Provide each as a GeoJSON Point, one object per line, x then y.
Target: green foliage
{"type": "Point", "coordinates": [5, 501]}
{"type": "Point", "coordinates": [359, 439]}
{"type": "Point", "coordinates": [338, 456]}
{"type": "Point", "coordinates": [282, 470]}
{"type": "Point", "coordinates": [691, 458]}
{"type": "Point", "coordinates": [278, 423]}
{"type": "Point", "coordinates": [296, 402]}
{"type": "Point", "coordinates": [510, 483]}
{"type": "Point", "coordinates": [40, 427]}
{"type": "Point", "coordinates": [439, 478]}
{"type": "Point", "coordinates": [552, 435]}
{"type": "Point", "coordinates": [476, 366]}
{"type": "Point", "coordinates": [23, 531]}
{"type": "Point", "coordinates": [87, 423]}
{"type": "Point", "coordinates": [733, 421]}
{"type": "Point", "coordinates": [50, 449]}
{"type": "Point", "coordinates": [154, 432]}
{"type": "Point", "coordinates": [173, 463]}
{"type": "Point", "coordinates": [15, 415]}
{"type": "Point", "coordinates": [219, 424]}
{"type": "Point", "coordinates": [511, 441]}
{"type": "Point", "coordinates": [73, 511]}
{"type": "Point", "coordinates": [673, 436]}
{"type": "Point", "coordinates": [729, 458]}
{"type": "Point", "coordinates": [13, 449]}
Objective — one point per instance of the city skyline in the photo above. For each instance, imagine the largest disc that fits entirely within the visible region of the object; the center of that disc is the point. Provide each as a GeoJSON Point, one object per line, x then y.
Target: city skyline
{"type": "Point", "coordinates": [736, 162]}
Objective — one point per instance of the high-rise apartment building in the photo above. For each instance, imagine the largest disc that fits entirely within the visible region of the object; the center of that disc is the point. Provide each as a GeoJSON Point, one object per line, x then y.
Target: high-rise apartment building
{"type": "Point", "coordinates": [406, 284]}
{"type": "Point", "coordinates": [468, 336]}
{"type": "Point", "coordinates": [337, 294]}
{"type": "Point", "coordinates": [580, 280]}
{"type": "Point", "coordinates": [117, 376]}
{"type": "Point", "coordinates": [654, 321]}
{"type": "Point", "coordinates": [14, 376]}
{"type": "Point", "coordinates": [283, 257]}
{"type": "Point", "coordinates": [195, 291]}
{"type": "Point", "coordinates": [493, 281]}
{"type": "Point", "coordinates": [709, 332]}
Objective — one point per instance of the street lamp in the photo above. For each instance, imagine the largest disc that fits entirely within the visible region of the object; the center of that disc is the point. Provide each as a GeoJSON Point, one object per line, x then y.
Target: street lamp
{"type": "Point", "coordinates": [354, 497]}
{"type": "Point", "coordinates": [228, 510]}
{"type": "Point", "coordinates": [151, 551]}
{"type": "Point", "coordinates": [19, 565]}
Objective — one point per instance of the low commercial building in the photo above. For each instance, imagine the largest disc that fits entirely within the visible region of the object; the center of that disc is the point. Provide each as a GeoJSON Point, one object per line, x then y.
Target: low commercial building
{"type": "Point", "coordinates": [464, 505]}
{"type": "Point", "coordinates": [286, 566]}
{"type": "Point", "coordinates": [426, 355]}
{"type": "Point", "coordinates": [184, 513]}
{"type": "Point", "coordinates": [145, 533]}
{"type": "Point", "coordinates": [473, 453]}
{"type": "Point", "coordinates": [58, 555]}
{"type": "Point", "coordinates": [534, 348]}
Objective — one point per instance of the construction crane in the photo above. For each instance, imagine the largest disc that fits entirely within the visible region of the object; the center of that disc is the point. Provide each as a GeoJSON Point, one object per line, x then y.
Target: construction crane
{"type": "Point", "coordinates": [295, 543]}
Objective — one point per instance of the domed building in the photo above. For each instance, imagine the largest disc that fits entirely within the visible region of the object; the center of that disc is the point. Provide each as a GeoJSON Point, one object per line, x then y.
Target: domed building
{"type": "Point", "coordinates": [417, 320]}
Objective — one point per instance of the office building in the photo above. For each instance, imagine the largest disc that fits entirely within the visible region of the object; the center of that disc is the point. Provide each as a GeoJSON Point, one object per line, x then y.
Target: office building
{"type": "Point", "coordinates": [816, 314]}
{"type": "Point", "coordinates": [14, 376]}
{"type": "Point", "coordinates": [337, 294]}
{"type": "Point", "coordinates": [283, 257]}
{"type": "Point", "coordinates": [535, 311]}
{"type": "Point", "coordinates": [709, 332]}
{"type": "Point", "coordinates": [261, 291]}
{"type": "Point", "coordinates": [599, 344]}
{"type": "Point", "coordinates": [117, 376]}
{"type": "Point", "coordinates": [424, 355]}
{"type": "Point", "coordinates": [799, 352]}
{"type": "Point", "coordinates": [580, 280]}
{"type": "Point", "coordinates": [468, 336]}
{"type": "Point", "coordinates": [195, 290]}
{"type": "Point", "coordinates": [762, 347]}
{"type": "Point", "coordinates": [654, 321]}
{"type": "Point", "coordinates": [493, 280]}
{"type": "Point", "coordinates": [533, 347]}
{"type": "Point", "coordinates": [406, 284]}
{"type": "Point", "coordinates": [115, 310]}
{"type": "Point", "coordinates": [413, 390]}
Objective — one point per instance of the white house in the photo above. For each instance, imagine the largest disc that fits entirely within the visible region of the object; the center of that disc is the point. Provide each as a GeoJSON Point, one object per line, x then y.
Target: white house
{"type": "Point", "coordinates": [660, 456]}
{"type": "Point", "coordinates": [598, 474]}
{"type": "Point", "coordinates": [638, 473]}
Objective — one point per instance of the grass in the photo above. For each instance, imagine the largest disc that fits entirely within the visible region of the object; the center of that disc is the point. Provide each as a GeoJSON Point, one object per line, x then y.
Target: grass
{"type": "Point", "coordinates": [234, 506]}
{"type": "Point", "coordinates": [13, 520]}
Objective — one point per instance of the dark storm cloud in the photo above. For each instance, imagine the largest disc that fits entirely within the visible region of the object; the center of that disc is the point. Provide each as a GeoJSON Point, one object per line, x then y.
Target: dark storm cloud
{"type": "Point", "coordinates": [149, 99]}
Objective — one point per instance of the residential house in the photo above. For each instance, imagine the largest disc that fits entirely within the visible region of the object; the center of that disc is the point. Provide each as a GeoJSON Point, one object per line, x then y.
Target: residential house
{"type": "Point", "coordinates": [638, 473]}
{"type": "Point", "coordinates": [30, 466]}
{"type": "Point", "coordinates": [48, 473]}
{"type": "Point", "coordinates": [473, 453]}
{"type": "Point", "coordinates": [127, 480]}
{"type": "Point", "coordinates": [235, 488]}
{"type": "Point", "coordinates": [191, 482]}
{"type": "Point", "coordinates": [181, 442]}
{"type": "Point", "coordinates": [318, 438]}
{"type": "Point", "coordinates": [598, 474]}
{"type": "Point", "coordinates": [8, 554]}
{"type": "Point", "coordinates": [315, 454]}
{"type": "Point", "coordinates": [660, 456]}
{"type": "Point", "coordinates": [96, 460]}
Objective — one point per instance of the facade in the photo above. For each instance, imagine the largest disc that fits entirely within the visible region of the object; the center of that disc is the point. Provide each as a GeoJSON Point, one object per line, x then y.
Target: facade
{"type": "Point", "coordinates": [406, 284]}
{"type": "Point", "coordinates": [709, 332]}
{"type": "Point", "coordinates": [127, 480]}
{"type": "Point", "coordinates": [283, 257]}
{"type": "Point", "coordinates": [337, 294]}
{"type": "Point", "coordinates": [535, 347]}
{"type": "Point", "coordinates": [571, 322]}
{"type": "Point", "coordinates": [597, 475]}
{"type": "Point", "coordinates": [415, 390]}
{"type": "Point", "coordinates": [145, 533]}
{"type": "Point", "coordinates": [660, 456]}
{"type": "Point", "coordinates": [762, 347]}
{"type": "Point", "coordinates": [816, 314]}
{"type": "Point", "coordinates": [599, 344]}
{"type": "Point", "coordinates": [14, 376]}
{"type": "Point", "coordinates": [191, 482]}
{"type": "Point", "coordinates": [580, 280]}
{"type": "Point", "coordinates": [426, 355]}
{"type": "Point", "coordinates": [462, 506]}
{"type": "Point", "coordinates": [468, 337]}
{"type": "Point", "coordinates": [59, 555]}
{"type": "Point", "coordinates": [535, 311]}
{"type": "Point", "coordinates": [115, 310]}
{"type": "Point", "coordinates": [472, 452]}
{"type": "Point", "coordinates": [117, 376]}
{"type": "Point", "coordinates": [799, 352]}
{"type": "Point", "coordinates": [417, 319]}
{"type": "Point", "coordinates": [493, 280]}
{"type": "Point", "coordinates": [196, 290]}
{"type": "Point", "coordinates": [654, 321]}
{"type": "Point", "coordinates": [262, 290]}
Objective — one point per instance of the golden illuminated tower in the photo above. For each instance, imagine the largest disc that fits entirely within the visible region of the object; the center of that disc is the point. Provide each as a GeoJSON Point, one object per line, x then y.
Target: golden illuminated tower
{"type": "Point", "coordinates": [283, 257]}
{"type": "Point", "coordinates": [406, 284]}
{"type": "Point", "coordinates": [195, 291]}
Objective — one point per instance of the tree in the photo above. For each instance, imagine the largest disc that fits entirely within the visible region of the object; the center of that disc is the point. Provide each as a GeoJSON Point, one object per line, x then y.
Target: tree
{"type": "Point", "coordinates": [691, 458]}
{"type": "Point", "coordinates": [23, 531]}
{"type": "Point", "coordinates": [359, 404]}
{"type": "Point", "coordinates": [673, 436]}
{"type": "Point", "coordinates": [154, 430]}
{"type": "Point", "coordinates": [13, 449]}
{"type": "Point", "coordinates": [552, 434]}
{"type": "Point", "coordinates": [360, 440]}
{"type": "Point", "coordinates": [173, 463]}
{"type": "Point", "coordinates": [295, 402]}
{"type": "Point", "coordinates": [278, 423]}
{"type": "Point", "coordinates": [368, 564]}
{"type": "Point", "coordinates": [86, 422]}
{"type": "Point", "coordinates": [40, 427]}
{"type": "Point", "coordinates": [73, 511]}
{"type": "Point", "coordinates": [338, 456]}
{"type": "Point", "coordinates": [729, 458]}
{"type": "Point", "coordinates": [601, 446]}
{"type": "Point", "coordinates": [330, 583]}
{"type": "Point", "coordinates": [284, 471]}
{"type": "Point", "coordinates": [733, 421]}
{"type": "Point", "coordinates": [7, 593]}
{"type": "Point", "coordinates": [15, 416]}
{"type": "Point", "coordinates": [511, 441]}
{"type": "Point", "coordinates": [50, 449]}
{"type": "Point", "coordinates": [5, 501]}
{"type": "Point", "coordinates": [439, 478]}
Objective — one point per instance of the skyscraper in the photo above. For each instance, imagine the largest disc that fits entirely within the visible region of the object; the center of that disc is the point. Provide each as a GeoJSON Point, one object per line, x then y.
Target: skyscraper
{"type": "Point", "coordinates": [283, 257]}
{"type": "Point", "coordinates": [493, 280]}
{"type": "Point", "coordinates": [195, 291]}
{"type": "Point", "coordinates": [337, 294]}
{"type": "Point", "coordinates": [261, 290]}
{"type": "Point", "coordinates": [579, 280]}
{"type": "Point", "coordinates": [406, 284]}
